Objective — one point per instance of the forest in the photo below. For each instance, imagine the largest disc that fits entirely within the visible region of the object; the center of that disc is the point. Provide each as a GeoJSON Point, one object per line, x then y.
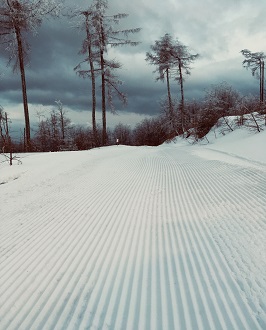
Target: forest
{"type": "Point", "coordinates": [170, 58]}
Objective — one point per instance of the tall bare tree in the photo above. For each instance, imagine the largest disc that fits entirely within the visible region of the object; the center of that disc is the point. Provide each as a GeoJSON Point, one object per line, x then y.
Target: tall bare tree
{"type": "Point", "coordinates": [108, 36]}
{"type": "Point", "coordinates": [172, 59]}
{"type": "Point", "coordinates": [255, 62]}
{"type": "Point", "coordinates": [182, 59]}
{"type": "Point", "coordinates": [161, 57]}
{"type": "Point", "coordinates": [100, 35]}
{"type": "Point", "coordinates": [88, 48]}
{"type": "Point", "coordinates": [17, 18]}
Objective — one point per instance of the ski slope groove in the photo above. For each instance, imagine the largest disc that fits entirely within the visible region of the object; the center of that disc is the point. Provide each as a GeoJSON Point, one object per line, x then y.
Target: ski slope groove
{"type": "Point", "coordinates": [133, 238]}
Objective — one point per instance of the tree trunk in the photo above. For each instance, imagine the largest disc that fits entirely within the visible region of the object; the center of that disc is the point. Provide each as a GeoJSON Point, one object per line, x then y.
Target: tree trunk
{"type": "Point", "coordinates": [262, 81]}
{"type": "Point", "coordinates": [260, 62]}
{"type": "Point", "coordinates": [93, 89]}
{"type": "Point", "coordinates": [93, 83]}
{"type": "Point", "coordinates": [170, 98]}
{"type": "Point", "coordinates": [256, 123]}
{"type": "Point", "coordinates": [24, 88]}
{"type": "Point", "coordinates": [62, 125]}
{"type": "Point", "coordinates": [104, 133]}
{"type": "Point", "coordinates": [182, 96]}
{"type": "Point", "coordinates": [10, 151]}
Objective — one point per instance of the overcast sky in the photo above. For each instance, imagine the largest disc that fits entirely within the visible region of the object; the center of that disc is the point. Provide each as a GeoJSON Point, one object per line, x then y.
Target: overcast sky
{"type": "Point", "coordinates": [217, 30]}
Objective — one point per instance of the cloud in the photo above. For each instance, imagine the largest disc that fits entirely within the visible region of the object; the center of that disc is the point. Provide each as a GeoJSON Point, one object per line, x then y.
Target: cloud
{"type": "Point", "coordinates": [217, 30]}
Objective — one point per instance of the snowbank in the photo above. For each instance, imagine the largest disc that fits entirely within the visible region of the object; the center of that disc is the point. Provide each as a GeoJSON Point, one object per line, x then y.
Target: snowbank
{"type": "Point", "coordinates": [242, 142]}
{"type": "Point", "coordinates": [136, 237]}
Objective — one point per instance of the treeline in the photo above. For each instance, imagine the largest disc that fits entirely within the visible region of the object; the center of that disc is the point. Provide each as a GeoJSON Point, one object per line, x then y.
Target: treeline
{"type": "Point", "coordinates": [100, 31]}
{"type": "Point", "coordinates": [55, 132]}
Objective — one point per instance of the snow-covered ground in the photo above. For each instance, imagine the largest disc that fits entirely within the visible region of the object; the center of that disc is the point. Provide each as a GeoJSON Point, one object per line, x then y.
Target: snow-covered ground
{"type": "Point", "coordinates": [168, 237]}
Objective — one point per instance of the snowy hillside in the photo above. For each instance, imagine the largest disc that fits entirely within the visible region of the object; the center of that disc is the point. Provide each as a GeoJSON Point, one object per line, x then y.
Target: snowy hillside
{"type": "Point", "coordinates": [242, 142]}
{"type": "Point", "coordinates": [168, 237]}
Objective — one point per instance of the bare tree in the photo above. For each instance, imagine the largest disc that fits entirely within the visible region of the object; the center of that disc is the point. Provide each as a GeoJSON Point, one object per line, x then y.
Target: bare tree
{"type": "Point", "coordinates": [107, 36]}
{"type": "Point", "coordinates": [255, 62]}
{"type": "Point", "coordinates": [222, 100]}
{"type": "Point", "coordinates": [161, 57]}
{"type": "Point", "coordinates": [123, 134]}
{"type": "Point", "coordinates": [62, 120]}
{"type": "Point", "coordinates": [17, 18]}
{"type": "Point", "coordinates": [170, 119]}
{"type": "Point", "coordinates": [5, 138]}
{"type": "Point", "coordinates": [43, 136]}
{"type": "Point", "coordinates": [172, 59]}
{"type": "Point", "coordinates": [251, 112]}
{"type": "Point", "coordinates": [182, 59]}
{"type": "Point", "coordinates": [150, 132]}
{"type": "Point", "coordinates": [88, 48]}
{"type": "Point", "coordinates": [100, 35]}
{"type": "Point", "coordinates": [54, 131]}
{"type": "Point", "coordinates": [4, 129]}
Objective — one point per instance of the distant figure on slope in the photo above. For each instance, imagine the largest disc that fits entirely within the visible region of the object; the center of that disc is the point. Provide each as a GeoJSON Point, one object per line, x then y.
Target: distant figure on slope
{"type": "Point", "coordinates": [117, 142]}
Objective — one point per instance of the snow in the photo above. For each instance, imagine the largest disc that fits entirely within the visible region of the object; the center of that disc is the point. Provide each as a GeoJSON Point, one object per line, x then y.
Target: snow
{"type": "Point", "coordinates": [168, 237]}
{"type": "Point", "coordinates": [242, 143]}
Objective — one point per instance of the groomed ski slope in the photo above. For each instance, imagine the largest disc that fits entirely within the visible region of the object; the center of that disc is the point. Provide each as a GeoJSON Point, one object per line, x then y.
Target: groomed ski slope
{"type": "Point", "coordinates": [169, 237]}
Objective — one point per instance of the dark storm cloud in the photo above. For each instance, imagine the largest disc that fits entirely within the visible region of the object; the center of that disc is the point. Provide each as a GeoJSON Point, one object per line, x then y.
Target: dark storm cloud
{"type": "Point", "coordinates": [217, 30]}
